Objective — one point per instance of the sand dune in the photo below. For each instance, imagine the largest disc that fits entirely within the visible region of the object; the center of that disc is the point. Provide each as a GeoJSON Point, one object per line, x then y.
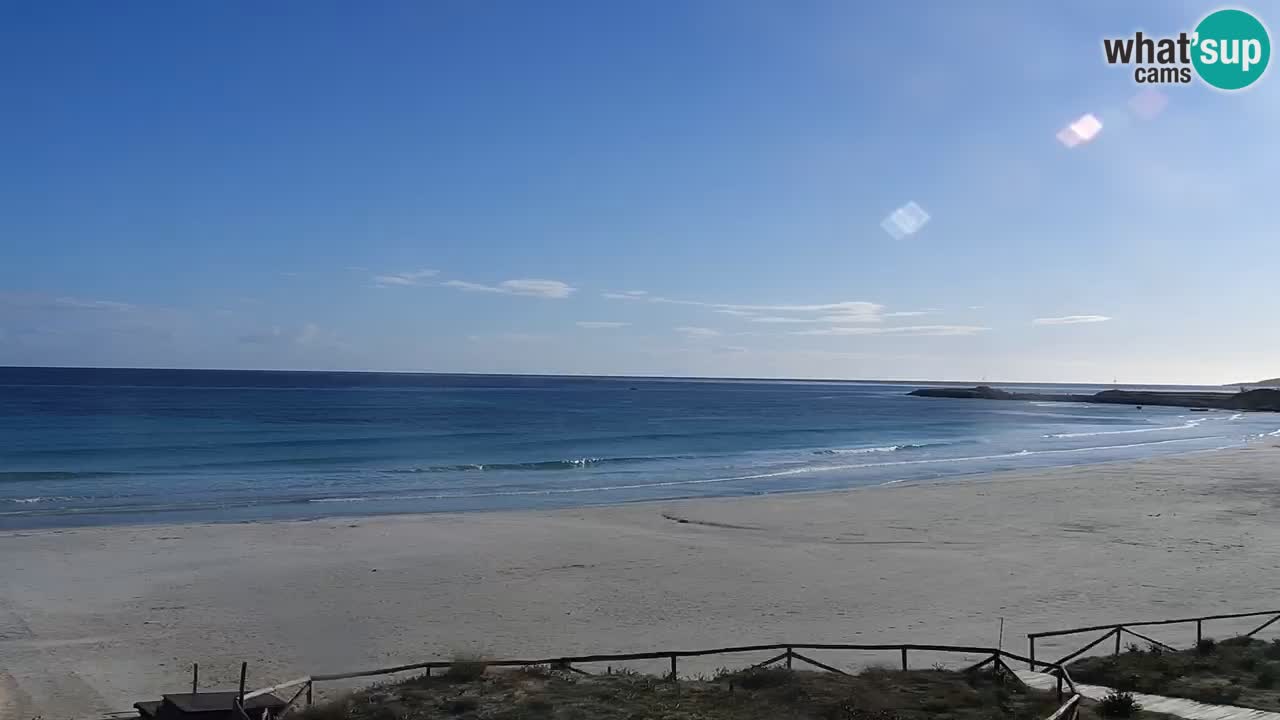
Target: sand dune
{"type": "Point", "coordinates": [93, 619]}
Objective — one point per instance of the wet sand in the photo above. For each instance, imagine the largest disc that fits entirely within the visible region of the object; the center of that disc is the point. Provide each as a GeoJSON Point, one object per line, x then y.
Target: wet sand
{"type": "Point", "coordinates": [92, 620]}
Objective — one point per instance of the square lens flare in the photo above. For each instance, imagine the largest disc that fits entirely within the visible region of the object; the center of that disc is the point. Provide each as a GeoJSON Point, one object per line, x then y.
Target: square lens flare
{"type": "Point", "coordinates": [1081, 131]}
{"type": "Point", "coordinates": [905, 221]}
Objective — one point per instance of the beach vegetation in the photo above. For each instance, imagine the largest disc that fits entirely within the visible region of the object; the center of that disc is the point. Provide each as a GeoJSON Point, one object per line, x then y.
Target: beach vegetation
{"type": "Point", "coordinates": [1119, 705]}
{"type": "Point", "coordinates": [466, 668]}
{"type": "Point", "coordinates": [1237, 671]}
{"type": "Point", "coordinates": [767, 693]}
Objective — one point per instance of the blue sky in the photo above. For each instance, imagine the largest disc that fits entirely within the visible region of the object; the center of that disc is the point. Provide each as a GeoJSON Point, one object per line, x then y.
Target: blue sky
{"type": "Point", "coordinates": [689, 188]}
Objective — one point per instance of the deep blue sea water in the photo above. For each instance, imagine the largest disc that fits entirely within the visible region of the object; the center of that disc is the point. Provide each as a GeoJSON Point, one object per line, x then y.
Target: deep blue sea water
{"type": "Point", "coordinates": [88, 447]}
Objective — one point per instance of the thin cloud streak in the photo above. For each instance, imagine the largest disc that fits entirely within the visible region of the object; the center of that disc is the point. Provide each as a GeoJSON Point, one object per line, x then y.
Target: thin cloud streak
{"type": "Point", "coordinates": [600, 324]}
{"type": "Point", "coordinates": [697, 332]}
{"type": "Point", "coordinates": [528, 287]}
{"type": "Point", "coordinates": [1070, 320]}
{"type": "Point", "coordinates": [402, 279]}
{"type": "Point", "coordinates": [907, 330]}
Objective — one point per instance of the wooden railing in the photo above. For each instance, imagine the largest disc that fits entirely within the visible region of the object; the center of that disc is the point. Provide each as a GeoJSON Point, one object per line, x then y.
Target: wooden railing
{"type": "Point", "coordinates": [996, 658]}
{"type": "Point", "coordinates": [1117, 630]}
{"type": "Point", "coordinates": [1070, 710]}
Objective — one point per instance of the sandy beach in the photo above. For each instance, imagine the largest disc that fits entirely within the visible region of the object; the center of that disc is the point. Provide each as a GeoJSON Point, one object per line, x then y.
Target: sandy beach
{"type": "Point", "coordinates": [94, 619]}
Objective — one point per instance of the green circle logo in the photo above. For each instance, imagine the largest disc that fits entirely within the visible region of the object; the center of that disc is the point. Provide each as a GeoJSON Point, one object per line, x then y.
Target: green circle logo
{"type": "Point", "coordinates": [1231, 49]}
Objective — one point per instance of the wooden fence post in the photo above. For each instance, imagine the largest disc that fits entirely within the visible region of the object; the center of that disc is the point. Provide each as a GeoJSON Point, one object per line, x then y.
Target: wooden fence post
{"type": "Point", "coordinates": [904, 658]}
{"type": "Point", "coordinates": [309, 686]}
{"type": "Point", "coordinates": [1031, 653]}
{"type": "Point", "coordinates": [244, 669]}
{"type": "Point", "coordinates": [673, 668]}
{"type": "Point", "coordinates": [1199, 632]}
{"type": "Point", "coordinates": [195, 678]}
{"type": "Point", "coordinates": [790, 652]}
{"type": "Point", "coordinates": [1059, 686]}
{"type": "Point", "coordinates": [1117, 640]}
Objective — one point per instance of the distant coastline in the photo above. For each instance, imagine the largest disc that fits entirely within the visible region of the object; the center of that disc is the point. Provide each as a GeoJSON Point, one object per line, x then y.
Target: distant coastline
{"type": "Point", "coordinates": [1270, 383]}
{"type": "Point", "coordinates": [1262, 399]}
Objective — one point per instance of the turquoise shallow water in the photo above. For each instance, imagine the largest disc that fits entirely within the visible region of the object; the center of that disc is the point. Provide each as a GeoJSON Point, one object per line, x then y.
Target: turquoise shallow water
{"type": "Point", "coordinates": [87, 447]}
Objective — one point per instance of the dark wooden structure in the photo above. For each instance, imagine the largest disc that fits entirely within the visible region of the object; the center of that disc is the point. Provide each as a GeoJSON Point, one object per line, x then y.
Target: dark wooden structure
{"type": "Point", "coordinates": [209, 706]}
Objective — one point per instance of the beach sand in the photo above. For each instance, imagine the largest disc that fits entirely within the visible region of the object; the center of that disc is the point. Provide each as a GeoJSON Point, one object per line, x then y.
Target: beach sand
{"type": "Point", "coordinates": [92, 620]}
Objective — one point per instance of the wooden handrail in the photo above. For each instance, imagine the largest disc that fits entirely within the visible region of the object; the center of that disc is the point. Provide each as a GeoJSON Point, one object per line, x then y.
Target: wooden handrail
{"type": "Point", "coordinates": [1067, 707]}
{"type": "Point", "coordinates": [280, 686]}
{"type": "Point", "coordinates": [788, 651]}
{"type": "Point", "coordinates": [1081, 651]}
{"type": "Point", "coordinates": [1073, 631]}
{"type": "Point", "coordinates": [1153, 641]}
{"type": "Point", "coordinates": [664, 654]}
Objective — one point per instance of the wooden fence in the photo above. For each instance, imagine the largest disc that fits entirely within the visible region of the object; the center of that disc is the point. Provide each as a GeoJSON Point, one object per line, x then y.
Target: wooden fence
{"type": "Point", "coordinates": [1118, 630]}
{"type": "Point", "coordinates": [789, 654]}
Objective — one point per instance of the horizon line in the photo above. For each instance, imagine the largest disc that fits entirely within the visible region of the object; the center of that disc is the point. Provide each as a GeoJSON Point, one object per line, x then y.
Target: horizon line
{"type": "Point", "coordinates": [620, 377]}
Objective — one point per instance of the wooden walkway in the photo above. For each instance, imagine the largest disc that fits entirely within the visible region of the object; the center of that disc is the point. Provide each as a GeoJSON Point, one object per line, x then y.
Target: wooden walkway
{"type": "Point", "coordinates": [1181, 707]}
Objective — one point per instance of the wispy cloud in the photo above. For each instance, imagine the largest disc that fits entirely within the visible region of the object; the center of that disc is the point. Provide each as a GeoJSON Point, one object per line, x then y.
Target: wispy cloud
{"type": "Point", "coordinates": [908, 330]}
{"type": "Point", "coordinates": [627, 295]}
{"type": "Point", "coordinates": [71, 303]}
{"type": "Point", "coordinates": [407, 278]}
{"type": "Point", "coordinates": [844, 313]}
{"type": "Point", "coordinates": [527, 287]}
{"type": "Point", "coordinates": [30, 302]}
{"type": "Point", "coordinates": [600, 324]}
{"type": "Point", "coordinates": [847, 310]}
{"type": "Point", "coordinates": [697, 332]}
{"type": "Point", "coordinates": [1070, 320]}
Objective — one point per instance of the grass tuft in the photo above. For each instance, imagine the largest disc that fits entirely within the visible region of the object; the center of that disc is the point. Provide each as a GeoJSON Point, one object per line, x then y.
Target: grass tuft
{"type": "Point", "coordinates": [1119, 705]}
{"type": "Point", "coordinates": [765, 677]}
{"type": "Point", "coordinates": [465, 668]}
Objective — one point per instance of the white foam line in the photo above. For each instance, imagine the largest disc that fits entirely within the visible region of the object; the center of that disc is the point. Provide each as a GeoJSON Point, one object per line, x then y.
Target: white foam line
{"type": "Point", "coordinates": [1188, 425]}
{"type": "Point", "coordinates": [761, 476]}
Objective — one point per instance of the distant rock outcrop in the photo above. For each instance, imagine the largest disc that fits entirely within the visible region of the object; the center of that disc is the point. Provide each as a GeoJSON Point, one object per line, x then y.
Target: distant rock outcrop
{"type": "Point", "coordinates": [1261, 399]}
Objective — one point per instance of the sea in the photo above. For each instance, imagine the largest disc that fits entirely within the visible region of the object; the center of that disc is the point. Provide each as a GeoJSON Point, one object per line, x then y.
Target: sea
{"type": "Point", "coordinates": [85, 447]}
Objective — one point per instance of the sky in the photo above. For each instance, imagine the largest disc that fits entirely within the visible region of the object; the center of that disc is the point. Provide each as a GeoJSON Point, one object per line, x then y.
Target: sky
{"type": "Point", "coordinates": [694, 188]}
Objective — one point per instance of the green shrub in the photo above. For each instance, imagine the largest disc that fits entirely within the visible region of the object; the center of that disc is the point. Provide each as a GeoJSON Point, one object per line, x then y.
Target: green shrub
{"type": "Point", "coordinates": [1206, 646]}
{"type": "Point", "coordinates": [765, 677]}
{"type": "Point", "coordinates": [1119, 705]}
{"type": "Point", "coordinates": [1266, 677]}
{"type": "Point", "coordinates": [465, 669]}
{"type": "Point", "coordinates": [1273, 650]}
